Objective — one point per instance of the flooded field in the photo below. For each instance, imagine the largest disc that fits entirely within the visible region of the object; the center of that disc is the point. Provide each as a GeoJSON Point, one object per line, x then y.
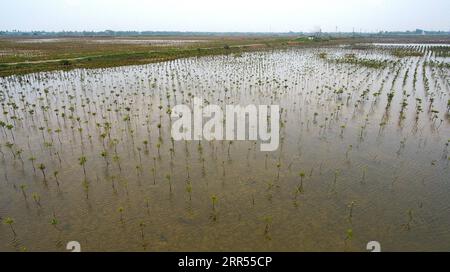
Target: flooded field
{"type": "Point", "coordinates": [87, 155]}
{"type": "Point", "coordinates": [160, 42]}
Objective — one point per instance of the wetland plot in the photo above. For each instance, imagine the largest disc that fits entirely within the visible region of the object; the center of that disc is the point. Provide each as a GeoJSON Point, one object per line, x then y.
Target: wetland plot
{"type": "Point", "coordinates": [87, 155]}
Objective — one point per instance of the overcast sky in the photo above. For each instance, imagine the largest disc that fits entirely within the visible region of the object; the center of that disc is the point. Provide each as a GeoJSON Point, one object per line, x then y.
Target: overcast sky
{"type": "Point", "coordinates": [225, 15]}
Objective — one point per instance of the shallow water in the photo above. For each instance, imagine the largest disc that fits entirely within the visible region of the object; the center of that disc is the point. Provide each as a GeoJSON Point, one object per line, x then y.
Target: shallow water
{"type": "Point", "coordinates": [165, 42]}
{"type": "Point", "coordinates": [144, 41]}
{"type": "Point", "coordinates": [396, 174]}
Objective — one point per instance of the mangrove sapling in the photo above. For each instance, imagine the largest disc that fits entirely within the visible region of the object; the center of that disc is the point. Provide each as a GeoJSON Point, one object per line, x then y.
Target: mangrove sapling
{"type": "Point", "coordinates": [116, 158]}
{"type": "Point", "coordinates": [120, 210]}
{"type": "Point", "coordinates": [169, 179]}
{"type": "Point", "coordinates": [146, 151]}
{"type": "Point", "coordinates": [189, 190]}
{"type": "Point", "coordinates": [10, 146]}
{"type": "Point", "coordinates": [3, 125]}
{"type": "Point", "coordinates": [363, 178]}
{"type": "Point", "coordinates": [9, 221]}
{"type": "Point", "coordinates": [22, 188]}
{"type": "Point", "coordinates": [158, 146]}
{"type": "Point", "coordinates": [104, 155]}
{"type": "Point", "coordinates": [139, 153]}
{"type": "Point", "coordinates": [10, 128]}
{"type": "Point", "coordinates": [86, 187]}
{"type": "Point", "coordinates": [278, 170]}
{"type": "Point", "coordinates": [187, 171]}
{"type": "Point", "coordinates": [159, 130]}
{"type": "Point", "coordinates": [58, 131]}
{"type": "Point", "coordinates": [42, 133]}
{"type": "Point", "coordinates": [42, 168]}
{"type": "Point", "coordinates": [1, 151]}
{"type": "Point", "coordinates": [172, 140]}
{"type": "Point", "coordinates": [349, 235]}
{"type": "Point", "coordinates": [349, 148]}
{"type": "Point", "coordinates": [147, 205]}
{"type": "Point", "coordinates": [59, 158]}
{"type": "Point", "coordinates": [54, 222]}
{"type": "Point", "coordinates": [82, 161]}
{"type": "Point", "coordinates": [350, 212]}
{"type": "Point", "coordinates": [336, 173]}
{"type": "Point", "coordinates": [223, 168]}
{"type": "Point", "coordinates": [268, 222]}
{"type": "Point", "coordinates": [141, 227]}
{"type": "Point", "coordinates": [200, 148]}
{"type": "Point", "coordinates": [214, 201]}
{"type": "Point", "coordinates": [248, 155]}
{"type": "Point", "coordinates": [19, 155]}
{"type": "Point", "coordinates": [37, 199]}
{"type": "Point", "coordinates": [113, 184]}
{"type": "Point", "coordinates": [55, 174]}
{"type": "Point", "coordinates": [203, 167]}
{"type": "Point", "coordinates": [229, 145]}
{"type": "Point", "coordinates": [407, 225]}
{"type": "Point", "coordinates": [138, 170]}
{"type": "Point", "coordinates": [342, 131]}
{"type": "Point", "coordinates": [302, 176]}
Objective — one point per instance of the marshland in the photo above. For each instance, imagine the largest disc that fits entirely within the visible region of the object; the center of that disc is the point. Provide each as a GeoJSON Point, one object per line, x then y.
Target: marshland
{"type": "Point", "coordinates": [87, 155]}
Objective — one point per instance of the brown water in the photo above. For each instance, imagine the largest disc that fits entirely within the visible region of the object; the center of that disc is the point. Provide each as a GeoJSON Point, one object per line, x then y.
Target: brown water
{"type": "Point", "coordinates": [396, 174]}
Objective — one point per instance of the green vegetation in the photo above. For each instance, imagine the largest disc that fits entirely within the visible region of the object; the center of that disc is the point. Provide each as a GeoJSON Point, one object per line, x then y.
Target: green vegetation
{"type": "Point", "coordinates": [401, 53]}
{"type": "Point", "coordinates": [312, 39]}
{"type": "Point", "coordinates": [369, 63]}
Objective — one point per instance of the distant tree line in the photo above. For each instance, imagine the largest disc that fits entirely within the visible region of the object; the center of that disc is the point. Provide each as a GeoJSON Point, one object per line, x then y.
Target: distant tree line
{"type": "Point", "coordinates": [112, 33]}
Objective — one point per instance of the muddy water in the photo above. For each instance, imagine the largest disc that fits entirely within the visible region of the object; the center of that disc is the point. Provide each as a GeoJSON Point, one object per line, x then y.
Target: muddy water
{"type": "Point", "coordinates": [351, 147]}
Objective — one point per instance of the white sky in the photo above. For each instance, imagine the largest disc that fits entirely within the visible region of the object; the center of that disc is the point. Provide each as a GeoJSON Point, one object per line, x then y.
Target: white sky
{"type": "Point", "coordinates": [225, 15]}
